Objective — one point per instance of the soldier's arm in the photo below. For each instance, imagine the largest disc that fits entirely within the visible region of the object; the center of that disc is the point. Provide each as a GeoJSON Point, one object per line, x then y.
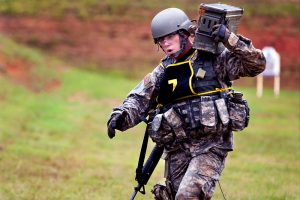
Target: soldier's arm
{"type": "Point", "coordinates": [241, 58]}
{"type": "Point", "coordinates": [140, 99]}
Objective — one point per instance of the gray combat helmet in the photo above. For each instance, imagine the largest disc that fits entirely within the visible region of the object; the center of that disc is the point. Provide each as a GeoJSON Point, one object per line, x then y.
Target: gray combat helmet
{"type": "Point", "coordinates": [168, 21]}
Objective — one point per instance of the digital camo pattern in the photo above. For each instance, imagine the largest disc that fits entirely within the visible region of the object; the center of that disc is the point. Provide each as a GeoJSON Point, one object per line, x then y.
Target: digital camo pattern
{"type": "Point", "coordinates": [186, 109]}
{"type": "Point", "coordinates": [238, 115]}
{"type": "Point", "coordinates": [201, 166]}
{"type": "Point", "coordinates": [242, 60]}
{"type": "Point", "coordinates": [156, 122]}
{"type": "Point", "coordinates": [222, 110]}
{"type": "Point", "coordinates": [195, 177]}
{"type": "Point", "coordinates": [163, 135]}
{"type": "Point", "coordinates": [200, 178]}
{"type": "Point", "coordinates": [141, 99]}
{"type": "Point", "coordinates": [176, 124]}
{"type": "Point", "coordinates": [208, 113]}
{"type": "Point", "coordinates": [177, 163]}
{"type": "Point", "coordinates": [191, 111]}
{"type": "Point", "coordinates": [200, 114]}
{"type": "Point", "coordinates": [161, 192]}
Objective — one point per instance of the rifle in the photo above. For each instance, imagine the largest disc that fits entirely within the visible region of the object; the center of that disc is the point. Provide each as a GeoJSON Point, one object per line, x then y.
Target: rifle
{"type": "Point", "coordinates": [147, 170]}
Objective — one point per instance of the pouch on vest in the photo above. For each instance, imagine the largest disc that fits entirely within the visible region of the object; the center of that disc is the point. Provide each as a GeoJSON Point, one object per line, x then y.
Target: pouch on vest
{"type": "Point", "coordinates": [160, 131]}
{"type": "Point", "coordinates": [198, 114]}
{"type": "Point", "coordinates": [208, 117]}
{"type": "Point", "coordinates": [176, 124]}
{"type": "Point", "coordinates": [239, 112]}
{"type": "Point", "coordinates": [222, 110]}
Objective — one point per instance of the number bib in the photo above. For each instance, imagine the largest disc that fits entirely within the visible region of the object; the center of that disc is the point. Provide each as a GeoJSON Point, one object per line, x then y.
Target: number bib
{"type": "Point", "coordinates": [177, 82]}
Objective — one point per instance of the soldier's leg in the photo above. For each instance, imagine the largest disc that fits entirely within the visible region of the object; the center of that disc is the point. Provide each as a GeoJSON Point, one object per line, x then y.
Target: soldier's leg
{"type": "Point", "coordinates": [176, 165]}
{"type": "Point", "coordinates": [200, 178]}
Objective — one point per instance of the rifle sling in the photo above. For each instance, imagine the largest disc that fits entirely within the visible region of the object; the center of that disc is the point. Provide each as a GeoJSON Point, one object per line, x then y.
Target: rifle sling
{"type": "Point", "coordinates": [139, 168]}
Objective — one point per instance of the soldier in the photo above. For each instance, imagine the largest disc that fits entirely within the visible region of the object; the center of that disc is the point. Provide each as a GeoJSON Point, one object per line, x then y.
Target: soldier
{"type": "Point", "coordinates": [191, 104]}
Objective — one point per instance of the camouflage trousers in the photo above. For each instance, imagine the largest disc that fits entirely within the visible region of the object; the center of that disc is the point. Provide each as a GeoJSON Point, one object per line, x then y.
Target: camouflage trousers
{"type": "Point", "coordinates": [193, 178]}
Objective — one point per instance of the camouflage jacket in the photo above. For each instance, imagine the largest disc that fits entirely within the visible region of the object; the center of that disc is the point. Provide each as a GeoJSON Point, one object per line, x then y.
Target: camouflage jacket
{"type": "Point", "coordinates": [239, 59]}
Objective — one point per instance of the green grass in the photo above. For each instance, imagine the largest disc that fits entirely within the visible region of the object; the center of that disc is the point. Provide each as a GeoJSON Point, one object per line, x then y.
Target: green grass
{"type": "Point", "coordinates": [266, 157]}
{"type": "Point", "coordinates": [54, 145]}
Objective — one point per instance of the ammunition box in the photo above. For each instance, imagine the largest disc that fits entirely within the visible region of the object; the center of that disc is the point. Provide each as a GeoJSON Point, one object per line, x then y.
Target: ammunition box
{"type": "Point", "coordinates": [210, 15]}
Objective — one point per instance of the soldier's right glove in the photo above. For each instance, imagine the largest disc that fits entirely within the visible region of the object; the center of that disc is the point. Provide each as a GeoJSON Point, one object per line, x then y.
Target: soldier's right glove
{"type": "Point", "coordinates": [220, 33]}
{"type": "Point", "coordinates": [115, 122]}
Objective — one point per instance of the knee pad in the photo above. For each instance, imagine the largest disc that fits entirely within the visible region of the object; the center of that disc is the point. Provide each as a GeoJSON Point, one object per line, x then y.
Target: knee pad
{"type": "Point", "coordinates": [204, 191]}
{"type": "Point", "coordinates": [161, 192]}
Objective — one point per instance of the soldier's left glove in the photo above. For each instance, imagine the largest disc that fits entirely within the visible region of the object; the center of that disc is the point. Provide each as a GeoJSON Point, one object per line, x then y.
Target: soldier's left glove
{"type": "Point", "coordinates": [220, 33]}
{"type": "Point", "coordinates": [115, 122]}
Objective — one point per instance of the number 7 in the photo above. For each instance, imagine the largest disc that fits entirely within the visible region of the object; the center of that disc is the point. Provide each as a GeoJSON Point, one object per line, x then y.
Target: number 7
{"type": "Point", "coordinates": [173, 82]}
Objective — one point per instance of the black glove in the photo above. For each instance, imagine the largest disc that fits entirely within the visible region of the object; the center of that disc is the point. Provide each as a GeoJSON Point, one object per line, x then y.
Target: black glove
{"type": "Point", "coordinates": [220, 33]}
{"type": "Point", "coordinates": [115, 122]}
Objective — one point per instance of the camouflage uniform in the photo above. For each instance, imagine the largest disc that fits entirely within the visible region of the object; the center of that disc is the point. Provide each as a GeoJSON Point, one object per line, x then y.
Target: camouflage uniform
{"type": "Point", "coordinates": [194, 161]}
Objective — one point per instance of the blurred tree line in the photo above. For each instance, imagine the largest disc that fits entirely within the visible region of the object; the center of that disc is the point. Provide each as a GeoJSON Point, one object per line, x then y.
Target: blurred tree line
{"type": "Point", "coordinates": [111, 8]}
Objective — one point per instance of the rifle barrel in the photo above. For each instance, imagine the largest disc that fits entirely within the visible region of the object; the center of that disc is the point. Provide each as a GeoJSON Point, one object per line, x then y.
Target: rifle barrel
{"type": "Point", "coordinates": [133, 195]}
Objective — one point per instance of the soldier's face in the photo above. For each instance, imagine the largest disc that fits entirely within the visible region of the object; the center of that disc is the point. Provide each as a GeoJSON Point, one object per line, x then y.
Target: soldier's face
{"type": "Point", "coordinates": [170, 43]}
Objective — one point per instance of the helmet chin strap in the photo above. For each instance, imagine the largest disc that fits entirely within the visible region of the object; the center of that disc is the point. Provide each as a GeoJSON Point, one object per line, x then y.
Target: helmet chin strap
{"type": "Point", "coordinates": [182, 44]}
{"type": "Point", "coordinates": [182, 41]}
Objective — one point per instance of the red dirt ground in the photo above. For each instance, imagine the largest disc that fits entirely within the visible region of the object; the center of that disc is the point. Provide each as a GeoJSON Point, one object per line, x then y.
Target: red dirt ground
{"type": "Point", "coordinates": [125, 44]}
{"type": "Point", "coordinates": [19, 71]}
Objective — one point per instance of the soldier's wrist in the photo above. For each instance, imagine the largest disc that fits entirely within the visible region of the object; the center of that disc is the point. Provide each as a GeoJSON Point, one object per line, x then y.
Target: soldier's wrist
{"type": "Point", "coordinates": [231, 41]}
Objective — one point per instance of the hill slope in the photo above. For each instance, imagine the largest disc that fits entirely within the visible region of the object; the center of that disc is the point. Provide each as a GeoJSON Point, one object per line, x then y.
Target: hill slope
{"type": "Point", "coordinates": [111, 35]}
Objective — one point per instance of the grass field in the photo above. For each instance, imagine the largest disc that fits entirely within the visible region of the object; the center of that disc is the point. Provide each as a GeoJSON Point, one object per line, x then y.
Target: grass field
{"type": "Point", "coordinates": [54, 145]}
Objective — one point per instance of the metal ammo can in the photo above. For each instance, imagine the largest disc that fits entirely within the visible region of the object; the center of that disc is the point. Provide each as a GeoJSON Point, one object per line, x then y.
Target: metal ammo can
{"type": "Point", "coordinates": [210, 15]}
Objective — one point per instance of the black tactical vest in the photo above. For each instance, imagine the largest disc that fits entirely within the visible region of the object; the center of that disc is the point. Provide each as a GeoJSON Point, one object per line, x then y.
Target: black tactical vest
{"type": "Point", "coordinates": [180, 79]}
{"type": "Point", "coordinates": [209, 82]}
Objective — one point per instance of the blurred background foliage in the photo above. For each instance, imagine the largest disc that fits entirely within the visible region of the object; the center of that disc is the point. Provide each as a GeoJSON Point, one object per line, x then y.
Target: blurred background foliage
{"type": "Point", "coordinates": [94, 8]}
